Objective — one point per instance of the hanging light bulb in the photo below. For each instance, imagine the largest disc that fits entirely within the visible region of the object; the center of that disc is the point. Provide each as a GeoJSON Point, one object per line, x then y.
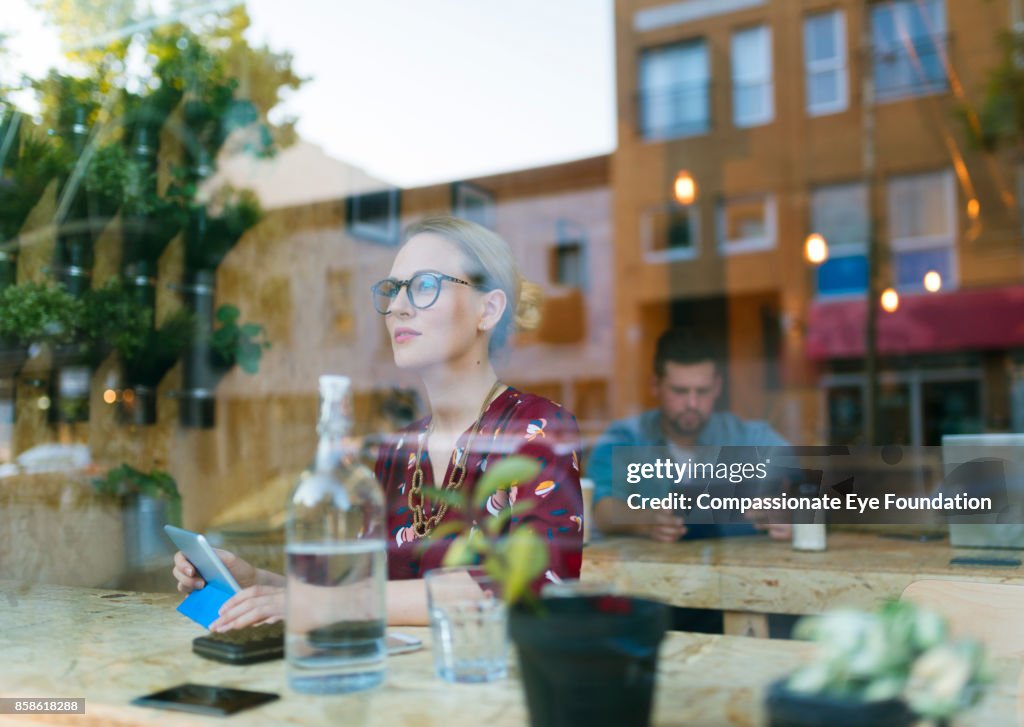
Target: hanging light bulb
{"type": "Point", "coordinates": [684, 189]}
{"type": "Point", "coordinates": [932, 281]}
{"type": "Point", "coordinates": [815, 249]}
{"type": "Point", "coordinates": [973, 209]}
{"type": "Point", "coordinates": [890, 300]}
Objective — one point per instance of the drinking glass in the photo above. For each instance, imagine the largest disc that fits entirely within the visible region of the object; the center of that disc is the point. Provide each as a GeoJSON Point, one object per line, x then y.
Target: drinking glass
{"type": "Point", "coordinates": [469, 623]}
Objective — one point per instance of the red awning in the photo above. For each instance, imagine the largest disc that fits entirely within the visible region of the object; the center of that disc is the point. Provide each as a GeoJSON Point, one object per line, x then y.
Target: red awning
{"type": "Point", "coordinates": [961, 320]}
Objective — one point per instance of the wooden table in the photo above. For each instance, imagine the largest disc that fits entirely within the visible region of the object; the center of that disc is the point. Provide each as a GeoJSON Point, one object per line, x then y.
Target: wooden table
{"type": "Point", "coordinates": [750, 576]}
{"type": "Point", "coordinates": [110, 646]}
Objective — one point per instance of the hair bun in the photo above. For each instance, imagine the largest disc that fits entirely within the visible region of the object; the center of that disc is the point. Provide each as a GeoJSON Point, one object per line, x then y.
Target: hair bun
{"type": "Point", "coordinates": [528, 313]}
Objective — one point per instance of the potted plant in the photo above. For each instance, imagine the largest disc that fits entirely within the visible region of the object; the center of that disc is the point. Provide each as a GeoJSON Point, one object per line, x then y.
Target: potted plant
{"type": "Point", "coordinates": [106, 318]}
{"type": "Point", "coordinates": [212, 354]}
{"type": "Point", "coordinates": [27, 164]}
{"type": "Point", "coordinates": [149, 501]}
{"type": "Point", "coordinates": [583, 659]}
{"type": "Point", "coordinates": [33, 313]}
{"type": "Point", "coordinates": [888, 668]}
{"type": "Point", "coordinates": [144, 366]}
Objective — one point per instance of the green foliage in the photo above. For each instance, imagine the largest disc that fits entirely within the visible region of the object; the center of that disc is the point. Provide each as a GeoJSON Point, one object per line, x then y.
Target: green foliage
{"type": "Point", "coordinates": [147, 365]}
{"type": "Point", "coordinates": [126, 480]}
{"type": "Point", "coordinates": [1000, 120]}
{"type": "Point", "coordinates": [111, 318]}
{"type": "Point", "coordinates": [62, 97]}
{"type": "Point", "coordinates": [34, 165]}
{"type": "Point", "coordinates": [900, 651]}
{"type": "Point", "coordinates": [515, 560]}
{"type": "Point", "coordinates": [233, 343]}
{"type": "Point", "coordinates": [209, 237]}
{"type": "Point", "coordinates": [37, 313]}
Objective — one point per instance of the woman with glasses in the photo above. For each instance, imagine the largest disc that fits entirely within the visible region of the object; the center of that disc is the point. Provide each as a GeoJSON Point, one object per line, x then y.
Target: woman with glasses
{"type": "Point", "coordinates": [453, 298]}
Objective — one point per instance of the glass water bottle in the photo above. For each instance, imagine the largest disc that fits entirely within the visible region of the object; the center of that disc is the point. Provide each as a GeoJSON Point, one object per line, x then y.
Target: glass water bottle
{"type": "Point", "coordinates": [336, 570]}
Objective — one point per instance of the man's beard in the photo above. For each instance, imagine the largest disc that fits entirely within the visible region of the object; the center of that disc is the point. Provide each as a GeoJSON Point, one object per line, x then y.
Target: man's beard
{"type": "Point", "coordinates": [680, 427]}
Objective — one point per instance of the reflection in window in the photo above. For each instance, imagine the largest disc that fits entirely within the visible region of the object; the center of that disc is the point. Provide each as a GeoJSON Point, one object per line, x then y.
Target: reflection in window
{"type": "Point", "coordinates": [839, 212]}
{"type": "Point", "coordinates": [473, 203]}
{"type": "Point", "coordinates": [674, 90]}
{"type": "Point", "coordinates": [922, 227]}
{"type": "Point", "coordinates": [825, 60]}
{"type": "Point", "coordinates": [374, 216]}
{"type": "Point", "coordinates": [909, 38]}
{"type": "Point", "coordinates": [670, 232]}
{"type": "Point", "coordinates": [567, 265]}
{"type": "Point", "coordinates": [752, 89]}
{"type": "Point", "coordinates": [845, 415]}
{"type": "Point", "coordinates": [746, 224]}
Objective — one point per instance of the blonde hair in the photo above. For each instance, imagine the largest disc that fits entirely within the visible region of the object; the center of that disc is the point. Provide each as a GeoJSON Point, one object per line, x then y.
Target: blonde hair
{"type": "Point", "coordinates": [491, 265]}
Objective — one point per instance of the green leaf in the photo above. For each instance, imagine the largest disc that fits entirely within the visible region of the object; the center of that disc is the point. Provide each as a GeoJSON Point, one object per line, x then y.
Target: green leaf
{"type": "Point", "coordinates": [252, 330]}
{"type": "Point", "coordinates": [460, 552]}
{"type": "Point", "coordinates": [526, 557]}
{"type": "Point", "coordinates": [452, 498]}
{"type": "Point", "coordinates": [228, 313]}
{"type": "Point", "coordinates": [503, 474]}
{"type": "Point", "coordinates": [495, 524]}
{"type": "Point", "coordinates": [449, 528]}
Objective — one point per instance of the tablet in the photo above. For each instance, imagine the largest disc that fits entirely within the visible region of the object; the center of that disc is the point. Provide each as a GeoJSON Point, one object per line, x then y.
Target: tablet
{"type": "Point", "coordinates": [200, 554]}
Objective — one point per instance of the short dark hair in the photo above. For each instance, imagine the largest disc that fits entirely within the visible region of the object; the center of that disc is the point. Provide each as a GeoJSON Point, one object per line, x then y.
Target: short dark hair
{"type": "Point", "coordinates": [682, 346]}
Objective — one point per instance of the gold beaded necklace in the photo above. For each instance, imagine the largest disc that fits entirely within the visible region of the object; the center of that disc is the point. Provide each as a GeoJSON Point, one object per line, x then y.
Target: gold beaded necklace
{"type": "Point", "coordinates": [421, 525]}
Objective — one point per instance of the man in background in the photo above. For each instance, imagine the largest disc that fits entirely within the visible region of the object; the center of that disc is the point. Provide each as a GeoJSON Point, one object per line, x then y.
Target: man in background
{"type": "Point", "coordinates": [687, 382]}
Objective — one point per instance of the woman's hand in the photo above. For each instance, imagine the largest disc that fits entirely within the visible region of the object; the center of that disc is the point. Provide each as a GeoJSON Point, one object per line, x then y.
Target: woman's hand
{"type": "Point", "coordinates": [189, 579]}
{"type": "Point", "coordinates": [251, 607]}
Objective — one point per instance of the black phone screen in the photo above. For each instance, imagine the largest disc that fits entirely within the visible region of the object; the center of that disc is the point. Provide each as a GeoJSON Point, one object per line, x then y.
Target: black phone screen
{"type": "Point", "coordinates": [205, 699]}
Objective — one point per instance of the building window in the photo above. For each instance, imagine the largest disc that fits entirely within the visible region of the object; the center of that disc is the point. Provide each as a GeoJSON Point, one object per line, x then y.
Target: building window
{"type": "Point", "coordinates": [746, 224]}
{"type": "Point", "coordinates": [473, 203]}
{"type": "Point", "coordinates": [839, 213]}
{"type": "Point", "coordinates": [825, 60]}
{"type": "Point", "coordinates": [670, 231]}
{"type": "Point", "coordinates": [568, 265]}
{"type": "Point", "coordinates": [374, 216]}
{"type": "Point", "coordinates": [909, 38]}
{"type": "Point", "coordinates": [567, 261]}
{"type": "Point", "coordinates": [752, 90]}
{"type": "Point", "coordinates": [922, 227]}
{"type": "Point", "coordinates": [674, 90]}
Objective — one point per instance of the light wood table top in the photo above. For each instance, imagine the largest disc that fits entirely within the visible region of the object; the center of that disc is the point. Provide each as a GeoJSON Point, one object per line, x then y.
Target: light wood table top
{"type": "Point", "coordinates": [756, 574]}
{"type": "Point", "coordinates": [111, 646]}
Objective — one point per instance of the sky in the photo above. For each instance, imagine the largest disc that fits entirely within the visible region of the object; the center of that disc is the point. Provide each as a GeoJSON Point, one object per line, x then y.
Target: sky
{"type": "Point", "coordinates": [423, 91]}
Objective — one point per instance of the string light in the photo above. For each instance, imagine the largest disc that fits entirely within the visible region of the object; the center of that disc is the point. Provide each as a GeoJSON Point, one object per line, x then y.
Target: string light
{"type": "Point", "coordinates": [890, 300]}
{"type": "Point", "coordinates": [815, 249]}
{"type": "Point", "coordinates": [684, 189]}
{"type": "Point", "coordinates": [932, 281]}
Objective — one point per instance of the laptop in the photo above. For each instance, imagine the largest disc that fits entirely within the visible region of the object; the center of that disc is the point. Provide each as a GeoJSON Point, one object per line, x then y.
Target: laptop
{"type": "Point", "coordinates": [990, 530]}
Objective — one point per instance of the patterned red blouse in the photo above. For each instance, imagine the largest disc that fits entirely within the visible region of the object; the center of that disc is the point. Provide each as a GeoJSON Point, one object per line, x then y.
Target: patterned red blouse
{"type": "Point", "coordinates": [514, 423]}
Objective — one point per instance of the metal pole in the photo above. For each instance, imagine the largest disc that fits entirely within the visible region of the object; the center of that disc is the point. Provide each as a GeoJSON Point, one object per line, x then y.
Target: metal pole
{"type": "Point", "coordinates": [869, 164]}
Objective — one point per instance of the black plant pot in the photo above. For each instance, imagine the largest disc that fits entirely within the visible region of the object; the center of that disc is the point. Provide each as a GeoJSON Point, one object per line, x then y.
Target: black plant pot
{"type": "Point", "coordinates": [789, 709]}
{"type": "Point", "coordinates": [139, 278]}
{"type": "Point", "coordinates": [12, 360]}
{"type": "Point", "coordinates": [70, 384]}
{"type": "Point", "coordinates": [200, 374]}
{"type": "Point", "coordinates": [139, 407]}
{"type": "Point", "coordinates": [197, 408]}
{"type": "Point", "coordinates": [8, 265]}
{"type": "Point", "coordinates": [589, 660]}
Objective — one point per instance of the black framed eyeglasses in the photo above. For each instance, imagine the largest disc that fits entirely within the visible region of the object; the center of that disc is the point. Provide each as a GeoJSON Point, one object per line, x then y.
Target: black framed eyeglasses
{"type": "Point", "coordinates": [423, 288]}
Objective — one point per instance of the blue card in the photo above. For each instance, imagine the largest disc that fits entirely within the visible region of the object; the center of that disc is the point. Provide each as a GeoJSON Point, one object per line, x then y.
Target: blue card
{"type": "Point", "coordinates": [201, 606]}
